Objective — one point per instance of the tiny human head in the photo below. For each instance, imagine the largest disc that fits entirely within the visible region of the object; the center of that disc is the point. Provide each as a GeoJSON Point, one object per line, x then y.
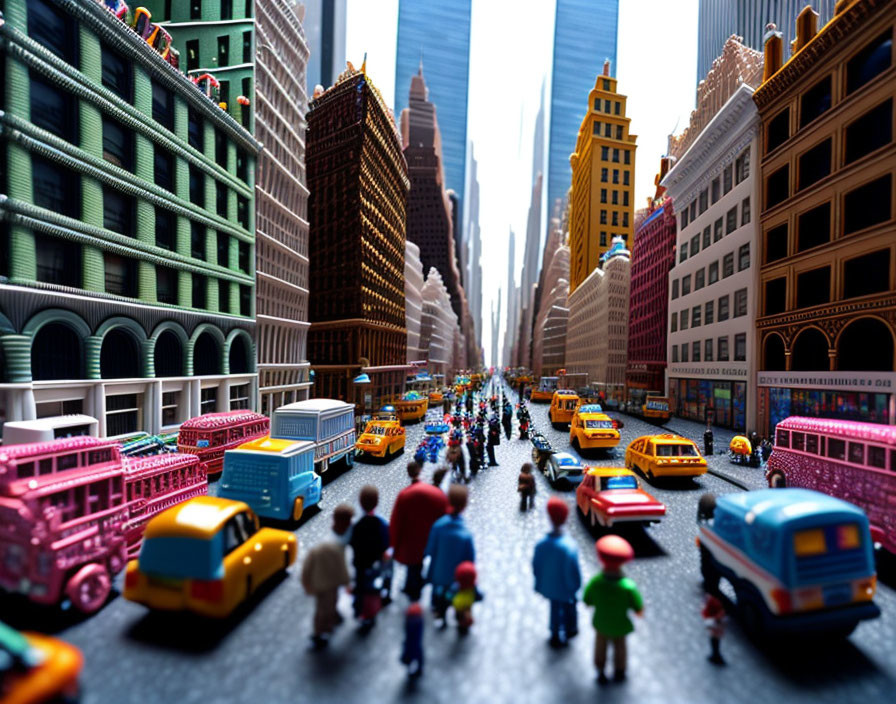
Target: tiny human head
{"type": "Point", "coordinates": [465, 575]}
{"type": "Point", "coordinates": [457, 498]}
{"type": "Point", "coordinates": [415, 611]}
{"type": "Point", "coordinates": [342, 518]}
{"type": "Point", "coordinates": [558, 511]}
{"type": "Point", "coordinates": [527, 468]}
{"type": "Point", "coordinates": [369, 498]}
{"type": "Point", "coordinates": [613, 552]}
{"type": "Point", "coordinates": [438, 475]}
{"type": "Point", "coordinates": [414, 469]}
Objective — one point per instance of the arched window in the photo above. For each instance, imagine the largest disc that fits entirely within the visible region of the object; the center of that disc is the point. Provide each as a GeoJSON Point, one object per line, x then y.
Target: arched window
{"type": "Point", "coordinates": [865, 345]}
{"type": "Point", "coordinates": [120, 355]}
{"type": "Point", "coordinates": [773, 354]}
{"type": "Point", "coordinates": [239, 356]}
{"type": "Point", "coordinates": [206, 355]}
{"type": "Point", "coordinates": [56, 353]}
{"type": "Point", "coordinates": [169, 355]}
{"type": "Point", "coordinates": [810, 352]}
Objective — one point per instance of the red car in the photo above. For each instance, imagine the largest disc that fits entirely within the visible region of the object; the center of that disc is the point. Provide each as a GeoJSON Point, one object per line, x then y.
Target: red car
{"type": "Point", "coordinates": [610, 495]}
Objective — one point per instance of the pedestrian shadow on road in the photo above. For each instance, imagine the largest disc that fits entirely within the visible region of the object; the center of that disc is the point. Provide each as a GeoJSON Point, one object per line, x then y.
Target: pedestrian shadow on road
{"type": "Point", "coordinates": [638, 537]}
{"type": "Point", "coordinates": [190, 633]}
{"type": "Point", "coordinates": [18, 611]}
{"type": "Point", "coordinates": [886, 567]}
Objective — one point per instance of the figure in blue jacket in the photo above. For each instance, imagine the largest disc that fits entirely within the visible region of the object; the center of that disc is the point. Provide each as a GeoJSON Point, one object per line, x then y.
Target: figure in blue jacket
{"type": "Point", "coordinates": [557, 575]}
{"type": "Point", "coordinates": [449, 544]}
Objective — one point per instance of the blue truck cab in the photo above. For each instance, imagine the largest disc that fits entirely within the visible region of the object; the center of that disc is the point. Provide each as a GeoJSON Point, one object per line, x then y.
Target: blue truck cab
{"type": "Point", "coordinates": [799, 561]}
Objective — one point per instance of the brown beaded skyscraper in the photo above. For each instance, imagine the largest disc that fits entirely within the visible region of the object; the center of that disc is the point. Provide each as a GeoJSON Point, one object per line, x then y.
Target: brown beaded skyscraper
{"type": "Point", "coordinates": [357, 177]}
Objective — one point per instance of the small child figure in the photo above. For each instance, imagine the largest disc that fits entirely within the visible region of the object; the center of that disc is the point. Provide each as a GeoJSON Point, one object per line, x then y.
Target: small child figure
{"type": "Point", "coordinates": [412, 652]}
{"type": "Point", "coordinates": [465, 595]}
{"type": "Point", "coordinates": [714, 618]}
{"type": "Point", "coordinates": [526, 487]}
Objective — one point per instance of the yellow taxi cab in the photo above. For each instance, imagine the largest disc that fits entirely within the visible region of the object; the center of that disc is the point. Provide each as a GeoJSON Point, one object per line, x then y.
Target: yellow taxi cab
{"type": "Point", "coordinates": [383, 437]}
{"type": "Point", "coordinates": [665, 455]}
{"type": "Point", "coordinates": [563, 405]}
{"type": "Point", "coordinates": [436, 397]}
{"type": "Point", "coordinates": [412, 406]}
{"type": "Point", "coordinates": [591, 429]}
{"type": "Point", "coordinates": [206, 555]}
{"type": "Point", "coordinates": [545, 389]}
{"type": "Point", "coordinates": [36, 668]}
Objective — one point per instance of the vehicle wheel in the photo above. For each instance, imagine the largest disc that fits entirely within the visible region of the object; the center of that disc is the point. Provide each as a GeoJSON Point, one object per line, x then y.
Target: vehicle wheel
{"type": "Point", "coordinates": [349, 459]}
{"type": "Point", "coordinates": [750, 609]}
{"type": "Point", "coordinates": [709, 572]}
{"type": "Point", "coordinates": [286, 559]}
{"type": "Point", "coordinates": [776, 480]}
{"type": "Point", "coordinates": [89, 588]}
{"type": "Point", "coordinates": [650, 476]}
{"type": "Point", "coordinates": [298, 508]}
{"type": "Point", "coordinates": [575, 444]}
{"type": "Point", "coordinates": [706, 507]}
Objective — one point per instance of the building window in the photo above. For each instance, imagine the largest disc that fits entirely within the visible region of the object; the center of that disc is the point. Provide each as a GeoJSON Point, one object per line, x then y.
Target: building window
{"type": "Point", "coordinates": [627, 156]}
{"type": "Point", "coordinates": [246, 301]}
{"type": "Point", "coordinates": [625, 178]}
{"type": "Point", "coordinates": [118, 144]}
{"type": "Point", "coordinates": [163, 163]}
{"type": "Point", "coordinates": [743, 257]}
{"type": "Point", "coordinates": [867, 274]}
{"type": "Point", "coordinates": [777, 186]}
{"type": "Point", "coordinates": [224, 50]}
{"type": "Point", "coordinates": [707, 350]}
{"type": "Point", "coordinates": [871, 131]}
{"type": "Point", "coordinates": [244, 257]}
{"type": "Point", "coordinates": [239, 397]}
{"type": "Point", "coordinates": [615, 197]}
{"type": "Point", "coordinates": [726, 179]}
{"type": "Point", "coordinates": [170, 404]}
{"type": "Point", "coordinates": [867, 205]}
{"type": "Point", "coordinates": [815, 101]}
{"type": "Point", "coordinates": [695, 350]}
{"type": "Point", "coordinates": [685, 285]}
{"type": "Point", "coordinates": [616, 107]}
{"type": "Point", "coordinates": [195, 130]}
{"type": "Point", "coordinates": [166, 285]}
{"type": "Point", "coordinates": [740, 347]}
{"type": "Point", "coordinates": [615, 156]}
{"type": "Point", "coordinates": [707, 236]}
{"type": "Point", "coordinates": [715, 189]}
{"type": "Point", "coordinates": [595, 128]}
{"type": "Point", "coordinates": [605, 153]}
{"type": "Point", "coordinates": [221, 199]}
{"type": "Point", "coordinates": [674, 327]}
{"type": "Point", "coordinates": [683, 319]}
{"type": "Point", "coordinates": [619, 137]}
{"type": "Point", "coordinates": [723, 349]}
{"type": "Point", "coordinates": [604, 175]}
{"type": "Point", "coordinates": [603, 217]}
{"type": "Point", "coordinates": [53, 109]}
{"type": "Point", "coordinates": [745, 211]}
{"type": "Point", "coordinates": [684, 219]}
{"type": "Point", "coordinates": [58, 260]}
{"type": "Point", "coordinates": [208, 400]}
{"type": "Point", "coordinates": [775, 296]}
{"type": "Point", "coordinates": [615, 218]}
{"type": "Point", "coordinates": [162, 106]}
{"type": "Point", "coordinates": [200, 291]}
{"type": "Point", "coordinates": [717, 232]}
{"type": "Point", "coordinates": [117, 73]}
{"type": "Point", "coordinates": [704, 201]}
{"type": "Point", "coordinates": [166, 229]}
{"type": "Point", "coordinates": [674, 353]}
{"type": "Point", "coordinates": [776, 243]}
{"type": "Point", "coordinates": [728, 265]}
{"type": "Point", "coordinates": [220, 149]}
{"type": "Point", "coordinates": [713, 272]}
{"type": "Point", "coordinates": [608, 128]}
{"type": "Point", "coordinates": [223, 296]}
{"type": "Point", "coordinates": [699, 279]}
{"type": "Point", "coordinates": [120, 275]}
{"type": "Point", "coordinates": [603, 239]}
{"type": "Point", "coordinates": [731, 220]}
{"type": "Point", "coordinates": [53, 29]}
{"type": "Point", "coordinates": [814, 165]}
{"type": "Point", "coordinates": [603, 195]}
{"type": "Point", "coordinates": [696, 314]}
{"type": "Point", "coordinates": [197, 240]}
{"type": "Point", "coordinates": [606, 106]}
{"type": "Point", "coordinates": [118, 211]}
{"type": "Point", "coordinates": [692, 210]}
{"type": "Point", "coordinates": [814, 227]}
{"type": "Point", "coordinates": [872, 60]}
{"type": "Point", "coordinates": [723, 308]}
{"type": "Point", "coordinates": [223, 242]}
{"type": "Point", "coordinates": [597, 104]}
{"type": "Point", "coordinates": [740, 302]}
{"type": "Point", "coordinates": [742, 166]}
{"type": "Point", "coordinates": [695, 244]}
{"type": "Point", "coordinates": [685, 348]}
{"type": "Point", "coordinates": [778, 130]}
{"type": "Point", "coordinates": [123, 414]}
{"type": "Point", "coordinates": [682, 252]}
{"type": "Point", "coordinates": [709, 313]}
{"type": "Point", "coordinates": [813, 287]}
{"type": "Point", "coordinates": [195, 9]}
{"type": "Point", "coordinates": [197, 187]}
{"type": "Point", "coordinates": [192, 49]}
{"type": "Point", "coordinates": [56, 188]}
{"type": "Point", "coordinates": [674, 289]}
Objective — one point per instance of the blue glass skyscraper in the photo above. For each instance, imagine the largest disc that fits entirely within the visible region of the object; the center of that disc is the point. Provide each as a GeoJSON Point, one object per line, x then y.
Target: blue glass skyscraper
{"type": "Point", "coordinates": [439, 34]}
{"type": "Point", "coordinates": [584, 37]}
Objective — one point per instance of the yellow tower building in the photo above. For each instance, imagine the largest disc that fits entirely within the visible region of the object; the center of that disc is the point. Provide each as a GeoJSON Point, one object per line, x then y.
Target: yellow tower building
{"type": "Point", "coordinates": [603, 180]}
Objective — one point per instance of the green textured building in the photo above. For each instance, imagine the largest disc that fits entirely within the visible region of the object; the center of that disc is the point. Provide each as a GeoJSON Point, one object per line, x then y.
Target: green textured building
{"type": "Point", "coordinates": [127, 263]}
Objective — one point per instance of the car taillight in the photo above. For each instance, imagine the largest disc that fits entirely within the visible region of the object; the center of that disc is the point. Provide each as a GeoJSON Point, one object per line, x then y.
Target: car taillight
{"type": "Point", "coordinates": [131, 578]}
{"type": "Point", "coordinates": [863, 589]}
{"type": "Point", "coordinates": [781, 597]}
{"type": "Point", "coordinates": [207, 590]}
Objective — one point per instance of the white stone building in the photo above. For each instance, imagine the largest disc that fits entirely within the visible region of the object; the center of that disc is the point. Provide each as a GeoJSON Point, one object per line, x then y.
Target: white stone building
{"type": "Point", "coordinates": [413, 292]}
{"type": "Point", "coordinates": [712, 287]}
{"type": "Point", "coordinates": [438, 325]}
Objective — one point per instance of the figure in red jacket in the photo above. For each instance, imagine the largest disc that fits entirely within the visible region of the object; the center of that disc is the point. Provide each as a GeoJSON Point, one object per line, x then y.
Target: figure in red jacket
{"type": "Point", "coordinates": [416, 508]}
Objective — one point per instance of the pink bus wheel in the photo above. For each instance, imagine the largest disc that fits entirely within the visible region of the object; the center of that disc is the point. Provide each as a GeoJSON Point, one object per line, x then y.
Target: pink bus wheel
{"type": "Point", "coordinates": [89, 588]}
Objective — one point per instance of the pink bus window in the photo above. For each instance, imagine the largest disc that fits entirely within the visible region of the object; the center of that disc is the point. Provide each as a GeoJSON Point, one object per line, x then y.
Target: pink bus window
{"type": "Point", "coordinates": [857, 453]}
{"type": "Point", "coordinates": [66, 461]}
{"type": "Point", "coordinates": [877, 457]}
{"type": "Point", "coordinates": [99, 456]}
{"type": "Point", "coordinates": [798, 441]}
{"type": "Point", "coordinates": [783, 438]}
{"type": "Point", "coordinates": [812, 444]}
{"type": "Point", "coordinates": [26, 469]}
{"type": "Point", "coordinates": [893, 460]}
{"type": "Point", "coordinates": [45, 466]}
{"type": "Point", "coordinates": [836, 449]}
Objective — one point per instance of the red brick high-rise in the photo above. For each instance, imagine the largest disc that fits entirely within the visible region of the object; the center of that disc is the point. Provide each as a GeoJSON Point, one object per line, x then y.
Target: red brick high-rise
{"type": "Point", "coordinates": [357, 178]}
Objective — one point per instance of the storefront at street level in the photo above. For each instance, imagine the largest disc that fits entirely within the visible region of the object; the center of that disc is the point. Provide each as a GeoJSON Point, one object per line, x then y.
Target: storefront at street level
{"type": "Point", "coordinates": [718, 395]}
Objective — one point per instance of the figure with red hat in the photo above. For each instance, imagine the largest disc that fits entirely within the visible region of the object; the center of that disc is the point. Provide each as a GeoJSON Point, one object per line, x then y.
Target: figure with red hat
{"type": "Point", "coordinates": [412, 651]}
{"type": "Point", "coordinates": [612, 595]}
{"type": "Point", "coordinates": [465, 595]}
{"type": "Point", "coordinates": [714, 618]}
{"type": "Point", "coordinates": [557, 575]}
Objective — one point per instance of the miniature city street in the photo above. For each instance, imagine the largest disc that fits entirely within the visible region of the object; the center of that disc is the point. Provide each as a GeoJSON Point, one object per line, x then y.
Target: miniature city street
{"type": "Point", "coordinates": [260, 654]}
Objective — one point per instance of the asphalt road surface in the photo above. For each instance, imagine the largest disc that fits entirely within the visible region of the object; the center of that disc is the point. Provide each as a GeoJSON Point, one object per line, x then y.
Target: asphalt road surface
{"type": "Point", "coordinates": [260, 655]}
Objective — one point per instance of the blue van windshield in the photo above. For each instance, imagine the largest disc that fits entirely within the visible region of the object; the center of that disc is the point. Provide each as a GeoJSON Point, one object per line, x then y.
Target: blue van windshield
{"type": "Point", "coordinates": [622, 483]}
{"type": "Point", "coordinates": [186, 558]}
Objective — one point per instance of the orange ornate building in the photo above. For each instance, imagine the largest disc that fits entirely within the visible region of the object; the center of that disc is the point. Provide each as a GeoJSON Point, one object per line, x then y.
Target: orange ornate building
{"type": "Point", "coordinates": [827, 285]}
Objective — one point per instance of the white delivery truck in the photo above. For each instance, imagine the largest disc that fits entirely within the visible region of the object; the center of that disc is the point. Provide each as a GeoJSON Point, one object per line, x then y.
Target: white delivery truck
{"type": "Point", "coordinates": [329, 424]}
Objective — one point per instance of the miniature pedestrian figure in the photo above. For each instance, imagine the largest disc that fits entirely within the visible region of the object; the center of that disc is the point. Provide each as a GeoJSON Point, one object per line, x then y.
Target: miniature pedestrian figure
{"type": "Point", "coordinates": [416, 509]}
{"type": "Point", "coordinates": [465, 595]}
{"type": "Point", "coordinates": [766, 449]}
{"type": "Point", "coordinates": [449, 544]}
{"type": "Point", "coordinates": [468, 402]}
{"type": "Point", "coordinates": [522, 415]}
{"type": "Point", "coordinates": [455, 459]}
{"type": "Point", "coordinates": [714, 618]}
{"type": "Point", "coordinates": [323, 572]}
{"type": "Point", "coordinates": [494, 438]}
{"type": "Point", "coordinates": [473, 452]}
{"type": "Point", "coordinates": [370, 544]}
{"type": "Point", "coordinates": [438, 476]}
{"type": "Point", "coordinates": [526, 487]}
{"type": "Point", "coordinates": [412, 651]}
{"type": "Point", "coordinates": [507, 419]}
{"type": "Point", "coordinates": [612, 595]}
{"type": "Point", "coordinates": [557, 575]}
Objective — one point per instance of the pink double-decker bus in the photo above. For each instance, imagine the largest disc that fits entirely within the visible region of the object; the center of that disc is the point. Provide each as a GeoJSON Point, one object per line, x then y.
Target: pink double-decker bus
{"type": "Point", "coordinates": [209, 436]}
{"type": "Point", "coordinates": [848, 459]}
{"type": "Point", "coordinates": [69, 509]}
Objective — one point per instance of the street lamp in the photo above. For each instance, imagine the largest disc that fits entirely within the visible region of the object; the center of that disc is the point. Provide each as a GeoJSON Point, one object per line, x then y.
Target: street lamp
{"type": "Point", "coordinates": [362, 380]}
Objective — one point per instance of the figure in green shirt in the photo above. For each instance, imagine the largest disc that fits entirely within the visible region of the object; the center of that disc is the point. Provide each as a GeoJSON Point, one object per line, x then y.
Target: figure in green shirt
{"type": "Point", "coordinates": [612, 594]}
